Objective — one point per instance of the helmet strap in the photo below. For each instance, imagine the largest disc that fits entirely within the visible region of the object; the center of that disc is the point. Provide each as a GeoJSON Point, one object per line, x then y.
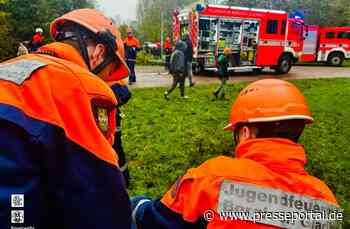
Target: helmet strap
{"type": "Point", "coordinates": [76, 34]}
{"type": "Point", "coordinates": [83, 47]}
{"type": "Point", "coordinates": [103, 65]}
{"type": "Point", "coordinates": [109, 40]}
{"type": "Point", "coordinates": [104, 37]}
{"type": "Point", "coordinates": [236, 137]}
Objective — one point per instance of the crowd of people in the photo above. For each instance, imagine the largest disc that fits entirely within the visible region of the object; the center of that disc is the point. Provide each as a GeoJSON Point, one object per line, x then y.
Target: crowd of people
{"type": "Point", "coordinates": [61, 147]}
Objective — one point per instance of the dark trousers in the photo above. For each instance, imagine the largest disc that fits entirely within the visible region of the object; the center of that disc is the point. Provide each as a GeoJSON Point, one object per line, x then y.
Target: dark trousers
{"type": "Point", "coordinates": [167, 62]}
{"type": "Point", "coordinates": [118, 147]}
{"type": "Point", "coordinates": [167, 58]}
{"type": "Point", "coordinates": [220, 91]}
{"type": "Point", "coordinates": [131, 66]}
{"type": "Point", "coordinates": [223, 76]}
{"type": "Point", "coordinates": [178, 78]}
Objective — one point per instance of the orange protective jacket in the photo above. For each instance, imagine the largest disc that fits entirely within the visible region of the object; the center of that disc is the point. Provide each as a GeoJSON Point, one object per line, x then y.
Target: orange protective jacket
{"type": "Point", "coordinates": [58, 122]}
{"type": "Point", "coordinates": [167, 45]}
{"type": "Point", "coordinates": [66, 79]}
{"type": "Point", "coordinates": [131, 45]}
{"type": "Point", "coordinates": [132, 42]}
{"type": "Point", "coordinates": [262, 168]}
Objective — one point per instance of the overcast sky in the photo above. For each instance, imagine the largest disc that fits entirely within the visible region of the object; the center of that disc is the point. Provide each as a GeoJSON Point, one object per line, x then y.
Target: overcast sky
{"type": "Point", "coordinates": [125, 8]}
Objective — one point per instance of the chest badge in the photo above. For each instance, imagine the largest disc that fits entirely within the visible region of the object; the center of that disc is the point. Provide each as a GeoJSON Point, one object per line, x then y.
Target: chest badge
{"type": "Point", "coordinates": [102, 118]}
{"type": "Point", "coordinates": [102, 113]}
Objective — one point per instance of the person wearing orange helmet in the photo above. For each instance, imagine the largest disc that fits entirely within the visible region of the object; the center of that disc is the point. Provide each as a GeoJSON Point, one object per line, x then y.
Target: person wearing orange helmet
{"type": "Point", "coordinates": [132, 45]}
{"type": "Point", "coordinates": [262, 186]}
{"type": "Point", "coordinates": [57, 126]}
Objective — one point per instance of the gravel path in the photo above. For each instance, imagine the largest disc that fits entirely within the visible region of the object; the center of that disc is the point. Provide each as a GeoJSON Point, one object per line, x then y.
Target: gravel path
{"type": "Point", "coordinates": [156, 76]}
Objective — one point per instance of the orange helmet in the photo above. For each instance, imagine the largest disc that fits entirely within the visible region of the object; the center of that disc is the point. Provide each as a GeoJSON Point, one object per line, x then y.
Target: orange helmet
{"type": "Point", "coordinates": [267, 101]}
{"type": "Point", "coordinates": [103, 28]}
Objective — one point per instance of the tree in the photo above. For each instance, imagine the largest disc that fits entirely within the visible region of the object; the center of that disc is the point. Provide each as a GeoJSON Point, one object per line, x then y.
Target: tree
{"type": "Point", "coordinates": [6, 45]}
{"type": "Point", "coordinates": [149, 14]}
{"type": "Point", "coordinates": [19, 18]}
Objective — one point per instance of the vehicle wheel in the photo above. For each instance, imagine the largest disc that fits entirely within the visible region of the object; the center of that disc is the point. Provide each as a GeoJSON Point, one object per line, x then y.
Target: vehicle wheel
{"type": "Point", "coordinates": [335, 59]}
{"type": "Point", "coordinates": [284, 64]}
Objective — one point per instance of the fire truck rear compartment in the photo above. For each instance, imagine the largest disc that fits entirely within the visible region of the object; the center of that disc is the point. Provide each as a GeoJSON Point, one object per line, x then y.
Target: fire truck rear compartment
{"type": "Point", "coordinates": [240, 35]}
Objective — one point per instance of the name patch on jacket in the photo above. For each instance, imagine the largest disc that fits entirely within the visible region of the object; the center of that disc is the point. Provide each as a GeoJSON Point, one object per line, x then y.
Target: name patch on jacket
{"type": "Point", "coordinates": [19, 71]}
{"type": "Point", "coordinates": [239, 201]}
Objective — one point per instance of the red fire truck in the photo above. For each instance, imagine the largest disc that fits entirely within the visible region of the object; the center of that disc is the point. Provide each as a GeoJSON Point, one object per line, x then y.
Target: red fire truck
{"type": "Point", "coordinates": [258, 37]}
{"type": "Point", "coordinates": [330, 45]}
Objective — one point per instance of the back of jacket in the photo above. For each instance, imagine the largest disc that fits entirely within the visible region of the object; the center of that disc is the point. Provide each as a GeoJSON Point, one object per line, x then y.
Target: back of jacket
{"type": "Point", "coordinates": [57, 122]}
{"type": "Point", "coordinates": [267, 176]}
{"type": "Point", "coordinates": [177, 62]}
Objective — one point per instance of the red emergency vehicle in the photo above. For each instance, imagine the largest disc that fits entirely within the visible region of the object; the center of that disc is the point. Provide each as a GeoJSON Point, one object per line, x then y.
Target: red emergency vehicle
{"type": "Point", "coordinates": [258, 37]}
{"type": "Point", "coordinates": [330, 45]}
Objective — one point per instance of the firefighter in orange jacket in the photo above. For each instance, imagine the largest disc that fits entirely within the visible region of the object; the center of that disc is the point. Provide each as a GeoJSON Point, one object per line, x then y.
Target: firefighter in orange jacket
{"type": "Point", "coordinates": [132, 45]}
{"type": "Point", "coordinates": [37, 40]}
{"type": "Point", "coordinates": [267, 175]}
{"type": "Point", "coordinates": [57, 124]}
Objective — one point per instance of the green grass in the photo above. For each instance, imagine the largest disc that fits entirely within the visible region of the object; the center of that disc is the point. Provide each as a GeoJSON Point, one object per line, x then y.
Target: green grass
{"type": "Point", "coordinates": [165, 138]}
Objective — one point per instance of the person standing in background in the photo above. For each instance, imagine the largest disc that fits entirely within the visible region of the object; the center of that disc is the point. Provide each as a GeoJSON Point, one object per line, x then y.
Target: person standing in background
{"type": "Point", "coordinates": [189, 58]}
{"type": "Point", "coordinates": [131, 45]}
{"type": "Point", "coordinates": [167, 49]}
{"type": "Point", "coordinates": [223, 62]}
{"type": "Point", "coordinates": [178, 69]}
{"type": "Point", "coordinates": [37, 40]}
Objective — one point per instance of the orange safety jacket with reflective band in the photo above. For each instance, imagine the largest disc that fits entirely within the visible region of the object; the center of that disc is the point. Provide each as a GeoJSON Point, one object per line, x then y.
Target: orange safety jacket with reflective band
{"type": "Point", "coordinates": [131, 45]}
{"type": "Point", "coordinates": [262, 168]}
{"type": "Point", "coordinates": [132, 42]}
{"type": "Point", "coordinates": [62, 92]}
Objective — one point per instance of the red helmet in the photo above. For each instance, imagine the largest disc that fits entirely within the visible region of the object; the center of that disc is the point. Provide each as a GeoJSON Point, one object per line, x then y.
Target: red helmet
{"type": "Point", "coordinates": [267, 101]}
{"type": "Point", "coordinates": [97, 23]}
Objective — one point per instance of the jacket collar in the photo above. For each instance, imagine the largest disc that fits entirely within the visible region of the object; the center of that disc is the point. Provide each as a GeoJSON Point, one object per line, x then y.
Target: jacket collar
{"type": "Point", "coordinates": [279, 155]}
{"type": "Point", "coordinates": [63, 51]}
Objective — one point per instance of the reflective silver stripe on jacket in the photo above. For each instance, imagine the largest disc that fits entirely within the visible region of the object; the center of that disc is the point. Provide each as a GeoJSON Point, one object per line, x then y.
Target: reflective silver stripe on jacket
{"type": "Point", "coordinates": [18, 72]}
{"type": "Point", "coordinates": [238, 197]}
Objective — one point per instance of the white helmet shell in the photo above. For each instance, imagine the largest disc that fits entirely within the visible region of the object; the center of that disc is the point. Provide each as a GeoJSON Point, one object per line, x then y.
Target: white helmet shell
{"type": "Point", "coordinates": [39, 30]}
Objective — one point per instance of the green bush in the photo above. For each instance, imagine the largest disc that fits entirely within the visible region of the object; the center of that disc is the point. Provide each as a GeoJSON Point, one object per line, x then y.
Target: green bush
{"type": "Point", "coordinates": [8, 45]}
{"type": "Point", "coordinates": [144, 58]}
